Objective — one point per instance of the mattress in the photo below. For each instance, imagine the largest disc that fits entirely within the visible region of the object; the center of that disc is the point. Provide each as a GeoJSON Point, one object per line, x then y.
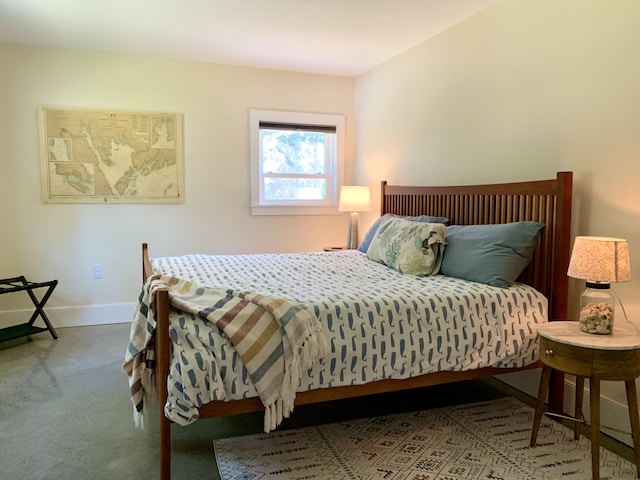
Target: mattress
{"type": "Point", "coordinates": [379, 323]}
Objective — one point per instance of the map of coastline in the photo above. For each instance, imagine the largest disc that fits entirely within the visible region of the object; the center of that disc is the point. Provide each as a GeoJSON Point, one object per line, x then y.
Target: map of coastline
{"type": "Point", "coordinates": [103, 156]}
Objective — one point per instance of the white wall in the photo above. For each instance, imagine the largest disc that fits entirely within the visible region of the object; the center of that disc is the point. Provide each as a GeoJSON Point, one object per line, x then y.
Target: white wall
{"type": "Point", "coordinates": [46, 241]}
{"type": "Point", "coordinates": [519, 91]}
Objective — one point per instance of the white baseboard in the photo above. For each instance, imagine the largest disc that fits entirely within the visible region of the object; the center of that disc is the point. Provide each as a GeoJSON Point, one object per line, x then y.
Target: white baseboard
{"type": "Point", "coordinates": [613, 414]}
{"type": "Point", "coordinates": [73, 316]}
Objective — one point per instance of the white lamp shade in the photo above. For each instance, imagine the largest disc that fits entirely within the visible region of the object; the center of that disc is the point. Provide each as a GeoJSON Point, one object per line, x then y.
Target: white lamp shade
{"type": "Point", "coordinates": [354, 199]}
{"type": "Point", "coordinates": [600, 260]}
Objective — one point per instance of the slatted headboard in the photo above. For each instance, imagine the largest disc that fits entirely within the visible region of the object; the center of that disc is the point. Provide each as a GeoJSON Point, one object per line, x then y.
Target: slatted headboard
{"type": "Point", "coordinates": [546, 201]}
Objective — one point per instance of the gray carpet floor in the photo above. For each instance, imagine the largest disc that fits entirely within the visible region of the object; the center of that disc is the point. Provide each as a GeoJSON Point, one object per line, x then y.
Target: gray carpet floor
{"type": "Point", "coordinates": [65, 412]}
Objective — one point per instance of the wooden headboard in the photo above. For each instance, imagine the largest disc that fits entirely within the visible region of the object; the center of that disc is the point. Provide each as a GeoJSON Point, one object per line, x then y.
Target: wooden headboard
{"type": "Point", "coordinates": [546, 201]}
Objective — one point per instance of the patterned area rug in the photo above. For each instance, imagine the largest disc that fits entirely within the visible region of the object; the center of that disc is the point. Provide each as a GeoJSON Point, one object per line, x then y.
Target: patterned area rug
{"type": "Point", "coordinates": [484, 440]}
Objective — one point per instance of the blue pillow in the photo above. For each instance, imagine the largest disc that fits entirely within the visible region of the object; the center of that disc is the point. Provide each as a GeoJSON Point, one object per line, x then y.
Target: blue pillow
{"type": "Point", "coordinates": [366, 241]}
{"type": "Point", "coordinates": [491, 254]}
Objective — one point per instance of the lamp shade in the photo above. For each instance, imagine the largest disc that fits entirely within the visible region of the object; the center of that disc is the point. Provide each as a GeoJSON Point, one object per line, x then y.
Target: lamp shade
{"type": "Point", "coordinates": [354, 199]}
{"type": "Point", "coordinates": [600, 260]}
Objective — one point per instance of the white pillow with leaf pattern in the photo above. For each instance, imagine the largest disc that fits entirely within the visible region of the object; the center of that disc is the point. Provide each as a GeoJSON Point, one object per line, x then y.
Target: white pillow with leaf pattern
{"type": "Point", "coordinates": [414, 248]}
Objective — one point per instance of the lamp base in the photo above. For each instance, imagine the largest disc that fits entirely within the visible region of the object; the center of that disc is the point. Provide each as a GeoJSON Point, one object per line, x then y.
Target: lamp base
{"type": "Point", "coordinates": [597, 309]}
{"type": "Point", "coordinates": [352, 237]}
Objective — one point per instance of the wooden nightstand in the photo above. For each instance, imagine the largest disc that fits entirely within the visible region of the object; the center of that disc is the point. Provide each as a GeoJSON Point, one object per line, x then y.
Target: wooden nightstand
{"type": "Point", "coordinates": [334, 249]}
{"type": "Point", "coordinates": [565, 348]}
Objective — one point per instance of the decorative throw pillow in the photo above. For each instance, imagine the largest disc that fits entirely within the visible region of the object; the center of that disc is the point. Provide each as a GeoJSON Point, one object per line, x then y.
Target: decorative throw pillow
{"type": "Point", "coordinates": [491, 254]}
{"type": "Point", "coordinates": [414, 248]}
{"type": "Point", "coordinates": [366, 241]}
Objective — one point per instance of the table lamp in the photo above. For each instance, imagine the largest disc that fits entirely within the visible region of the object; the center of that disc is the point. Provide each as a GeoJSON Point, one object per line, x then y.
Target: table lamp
{"type": "Point", "coordinates": [599, 261]}
{"type": "Point", "coordinates": [354, 199]}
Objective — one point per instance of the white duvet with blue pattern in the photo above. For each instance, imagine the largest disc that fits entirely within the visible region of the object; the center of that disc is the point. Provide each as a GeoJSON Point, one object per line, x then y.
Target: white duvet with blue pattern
{"type": "Point", "coordinates": [379, 323]}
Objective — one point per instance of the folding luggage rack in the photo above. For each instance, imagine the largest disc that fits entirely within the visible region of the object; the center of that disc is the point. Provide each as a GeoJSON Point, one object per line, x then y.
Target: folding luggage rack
{"type": "Point", "coordinates": [20, 284]}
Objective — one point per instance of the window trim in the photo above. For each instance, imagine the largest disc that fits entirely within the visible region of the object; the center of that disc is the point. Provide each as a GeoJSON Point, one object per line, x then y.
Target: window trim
{"type": "Point", "coordinates": [256, 117]}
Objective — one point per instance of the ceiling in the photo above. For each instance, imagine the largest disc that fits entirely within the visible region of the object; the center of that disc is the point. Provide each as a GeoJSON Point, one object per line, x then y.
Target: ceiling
{"type": "Point", "coordinates": [338, 37]}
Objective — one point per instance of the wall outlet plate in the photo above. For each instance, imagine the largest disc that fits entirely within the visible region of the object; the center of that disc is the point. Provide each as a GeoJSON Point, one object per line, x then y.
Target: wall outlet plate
{"type": "Point", "coordinates": [97, 271]}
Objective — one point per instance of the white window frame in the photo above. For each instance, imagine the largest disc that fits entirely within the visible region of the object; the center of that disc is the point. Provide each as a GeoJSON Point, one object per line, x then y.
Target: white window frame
{"type": "Point", "coordinates": [260, 206]}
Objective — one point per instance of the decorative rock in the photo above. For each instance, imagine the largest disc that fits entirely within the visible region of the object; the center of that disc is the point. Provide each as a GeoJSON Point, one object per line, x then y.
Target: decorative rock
{"type": "Point", "coordinates": [597, 318]}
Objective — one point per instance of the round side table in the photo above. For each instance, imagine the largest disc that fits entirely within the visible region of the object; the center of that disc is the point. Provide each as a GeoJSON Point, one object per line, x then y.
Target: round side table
{"type": "Point", "coordinates": [616, 357]}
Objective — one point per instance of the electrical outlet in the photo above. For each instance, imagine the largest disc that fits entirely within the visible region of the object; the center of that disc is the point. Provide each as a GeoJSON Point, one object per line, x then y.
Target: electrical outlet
{"type": "Point", "coordinates": [97, 271]}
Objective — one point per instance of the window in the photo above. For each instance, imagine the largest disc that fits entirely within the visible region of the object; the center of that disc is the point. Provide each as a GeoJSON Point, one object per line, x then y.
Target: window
{"type": "Point", "coordinates": [297, 162]}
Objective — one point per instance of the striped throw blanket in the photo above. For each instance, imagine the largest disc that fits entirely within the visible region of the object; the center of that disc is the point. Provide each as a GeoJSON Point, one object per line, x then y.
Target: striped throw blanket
{"type": "Point", "coordinates": [277, 340]}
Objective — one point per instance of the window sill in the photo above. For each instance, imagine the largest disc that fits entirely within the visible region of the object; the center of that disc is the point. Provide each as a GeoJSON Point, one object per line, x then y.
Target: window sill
{"type": "Point", "coordinates": [294, 210]}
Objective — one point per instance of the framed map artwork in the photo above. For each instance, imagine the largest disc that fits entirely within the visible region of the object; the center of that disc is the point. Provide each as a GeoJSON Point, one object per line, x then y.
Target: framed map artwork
{"type": "Point", "coordinates": [110, 156]}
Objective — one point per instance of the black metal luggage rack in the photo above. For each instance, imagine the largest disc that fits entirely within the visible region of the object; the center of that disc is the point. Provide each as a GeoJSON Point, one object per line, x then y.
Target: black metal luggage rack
{"type": "Point", "coordinates": [20, 284]}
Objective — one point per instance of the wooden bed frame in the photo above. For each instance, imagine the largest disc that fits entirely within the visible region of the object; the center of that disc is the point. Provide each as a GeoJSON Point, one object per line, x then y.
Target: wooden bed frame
{"type": "Point", "coordinates": [547, 201]}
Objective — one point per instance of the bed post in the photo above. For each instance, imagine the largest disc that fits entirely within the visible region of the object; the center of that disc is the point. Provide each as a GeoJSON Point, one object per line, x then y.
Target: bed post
{"type": "Point", "coordinates": [147, 269]}
{"type": "Point", "coordinates": [162, 373]}
{"type": "Point", "coordinates": [562, 247]}
{"type": "Point", "coordinates": [163, 356]}
{"type": "Point", "coordinates": [383, 187]}
{"type": "Point", "coordinates": [560, 292]}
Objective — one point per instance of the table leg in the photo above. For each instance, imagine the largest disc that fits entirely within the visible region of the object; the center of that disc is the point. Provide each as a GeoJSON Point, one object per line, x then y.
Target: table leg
{"type": "Point", "coordinates": [577, 413]}
{"type": "Point", "coordinates": [542, 395]}
{"type": "Point", "coordinates": [632, 400]}
{"type": "Point", "coordinates": [594, 400]}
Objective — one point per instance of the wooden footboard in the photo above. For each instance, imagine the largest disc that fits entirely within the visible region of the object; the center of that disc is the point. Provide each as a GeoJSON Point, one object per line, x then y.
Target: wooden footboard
{"type": "Point", "coordinates": [547, 201]}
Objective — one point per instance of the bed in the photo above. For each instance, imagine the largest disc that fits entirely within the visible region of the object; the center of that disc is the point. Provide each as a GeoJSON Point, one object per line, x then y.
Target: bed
{"type": "Point", "coordinates": [541, 292]}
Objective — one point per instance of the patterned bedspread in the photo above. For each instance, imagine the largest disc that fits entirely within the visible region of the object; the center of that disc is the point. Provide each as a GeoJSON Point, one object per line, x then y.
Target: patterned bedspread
{"type": "Point", "coordinates": [379, 323]}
